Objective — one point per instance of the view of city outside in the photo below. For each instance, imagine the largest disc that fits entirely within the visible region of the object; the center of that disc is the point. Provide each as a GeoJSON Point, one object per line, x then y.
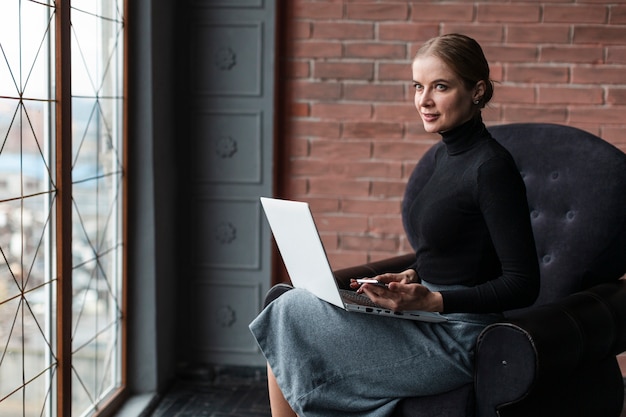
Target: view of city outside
{"type": "Point", "coordinates": [28, 178]}
{"type": "Point", "coordinates": [27, 358]}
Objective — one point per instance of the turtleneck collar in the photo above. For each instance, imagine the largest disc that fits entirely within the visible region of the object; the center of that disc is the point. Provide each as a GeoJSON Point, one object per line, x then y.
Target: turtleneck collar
{"type": "Point", "coordinates": [465, 136]}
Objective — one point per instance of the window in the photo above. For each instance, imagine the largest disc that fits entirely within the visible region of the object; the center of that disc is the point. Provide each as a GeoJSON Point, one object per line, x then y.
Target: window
{"type": "Point", "coordinates": [61, 206]}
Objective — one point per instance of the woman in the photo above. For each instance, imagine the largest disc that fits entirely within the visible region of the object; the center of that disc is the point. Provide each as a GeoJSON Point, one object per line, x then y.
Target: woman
{"type": "Point", "coordinates": [475, 258]}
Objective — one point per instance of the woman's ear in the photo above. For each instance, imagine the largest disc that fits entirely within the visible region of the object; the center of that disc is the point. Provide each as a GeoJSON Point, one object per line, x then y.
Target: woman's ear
{"type": "Point", "coordinates": [479, 90]}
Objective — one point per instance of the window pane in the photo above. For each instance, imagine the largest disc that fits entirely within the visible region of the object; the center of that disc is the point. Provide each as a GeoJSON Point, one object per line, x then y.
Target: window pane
{"type": "Point", "coordinates": [27, 285]}
{"type": "Point", "coordinates": [97, 52]}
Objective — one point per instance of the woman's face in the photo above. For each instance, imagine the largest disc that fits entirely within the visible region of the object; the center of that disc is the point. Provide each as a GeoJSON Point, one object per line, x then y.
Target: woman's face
{"type": "Point", "coordinates": [441, 99]}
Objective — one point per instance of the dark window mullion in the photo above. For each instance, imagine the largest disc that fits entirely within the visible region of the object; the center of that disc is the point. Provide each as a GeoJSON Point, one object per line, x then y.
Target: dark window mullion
{"type": "Point", "coordinates": [64, 206]}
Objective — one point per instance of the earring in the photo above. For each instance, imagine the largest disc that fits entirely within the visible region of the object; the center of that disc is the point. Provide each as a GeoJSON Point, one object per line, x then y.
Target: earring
{"type": "Point", "coordinates": [476, 101]}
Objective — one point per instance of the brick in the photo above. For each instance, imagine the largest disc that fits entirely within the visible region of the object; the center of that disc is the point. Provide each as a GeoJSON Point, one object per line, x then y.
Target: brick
{"type": "Point", "coordinates": [369, 206]}
{"type": "Point", "coordinates": [496, 71]}
{"type": "Point", "coordinates": [608, 115]}
{"type": "Point", "coordinates": [537, 74]}
{"type": "Point", "coordinates": [310, 128]}
{"type": "Point", "coordinates": [373, 92]}
{"type": "Point", "coordinates": [298, 69]}
{"type": "Point", "coordinates": [616, 95]}
{"type": "Point", "coordinates": [337, 149]}
{"type": "Point", "coordinates": [394, 72]}
{"type": "Point", "coordinates": [575, 13]}
{"type": "Point", "coordinates": [377, 11]}
{"type": "Point", "coordinates": [483, 33]}
{"type": "Point", "coordinates": [300, 30]}
{"type": "Point", "coordinates": [607, 35]}
{"type": "Point", "coordinates": [408, 32]}
{"type": "Point", "coordinates": [415, 133]}
{"type": "Point", "coordinates": [338, 187]}
{"type": "Point", "coordinates": [538, 34]}
{"type": "Point", "coordinates": [570, 95]}
{"type": "Point", "coordinates": [514, 94]}
{"type": "Point", "coordinates": [341, 111]}
{"type": "Point", "coordinates": [571, 54]}
{"type": "Point", "coordinates": [616, 55]}
{"type": "Point", "coordinates": [389, 225]}
{"type": "Point", "coordinates": [493, 113]}
{"type": "Point", "coordinates": [312, 90]}
{"type": "Point", "coordinates": [344, 70]}
{"type": "Point", "coordinates": [330, 241]}
{"type": "Point", "coordinates": [345, 223]}
{"type": "Point", "coordinates": [372, 130]}
{"type": "Point", "coordinates": [366, 169]}
{"type": "Point", "coordinates": [598, 74]}
{"type": "Point", "coordinates": [376, 50]}
{"type": "Point", "coordinates": [307, 49]}
{"type": "Point", "coordinates": [396, 112]}
{"type": "Point", "coordinates": [534, 114]}
{"type": "Point", "coordinates": [443, 12]}
{"type": "Point", "coordinates": [617, 15]}
{"type": "Point", "coordinates": [343, 31]}
{"type": "Point", "coordinates": [511, 53]}
{"type": "Point", "coordinates": [615, 135]}
{"type": "Point", "coordinates": [317, 10]}
{"type": "Point", "coordinates": [310, 167]}
{"type": "Point", "coordinates": [343, 259]}
{"type": "Point", "coordinates": [385, 189]}
{"type": "Point", "coordinates": [298, 148]}
{"type": "Point", "coordinates": [297, 109]}
{"type": "Point", "coordinates": [368, 242]}
{"type": "Point", "coordinates": [296, 186]}
{"type": "Point", "coordinates": [508, 13]}
{"type": "Point", "coordinates": [399, 150]}
{"type": "Point", "coordinates": [323, 205]}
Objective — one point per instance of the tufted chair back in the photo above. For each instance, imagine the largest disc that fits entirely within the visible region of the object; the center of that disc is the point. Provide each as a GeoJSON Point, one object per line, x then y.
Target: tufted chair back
{"type": "Point", "coordinates": [576, 189]}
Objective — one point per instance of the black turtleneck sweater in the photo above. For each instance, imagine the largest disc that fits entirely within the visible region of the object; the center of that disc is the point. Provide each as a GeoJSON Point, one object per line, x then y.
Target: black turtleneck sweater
{"type": "Point", "coordinates": [473, 225]}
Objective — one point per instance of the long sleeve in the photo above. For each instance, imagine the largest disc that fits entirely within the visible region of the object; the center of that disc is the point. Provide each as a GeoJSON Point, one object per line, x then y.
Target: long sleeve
{"type": "Point", "coordinates": [472, 226]}
{"type": "Point", "coordinates": [502, 200]}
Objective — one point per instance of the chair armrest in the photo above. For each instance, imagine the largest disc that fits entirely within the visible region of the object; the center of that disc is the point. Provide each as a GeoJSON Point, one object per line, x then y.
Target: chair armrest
{"type": "Point", "coordinates": [547, 344]}
{"type": "Point", "coordinates": [395, 264]}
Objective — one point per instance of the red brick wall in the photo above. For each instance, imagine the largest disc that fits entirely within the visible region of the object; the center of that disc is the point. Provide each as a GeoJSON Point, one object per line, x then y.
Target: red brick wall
{"type": "Point", "coordinates": [350, 135]}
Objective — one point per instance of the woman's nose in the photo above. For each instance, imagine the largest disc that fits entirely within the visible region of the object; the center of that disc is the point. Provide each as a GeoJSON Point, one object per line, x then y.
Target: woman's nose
{"type": "Point", "coordinates": [424, 100]}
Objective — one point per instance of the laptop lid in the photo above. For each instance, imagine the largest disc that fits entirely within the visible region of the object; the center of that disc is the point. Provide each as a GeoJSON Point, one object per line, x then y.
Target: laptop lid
{"type": "Point", "coordinates": [301, 248]}
{"type": "Point", "coordinates": [304, 257]}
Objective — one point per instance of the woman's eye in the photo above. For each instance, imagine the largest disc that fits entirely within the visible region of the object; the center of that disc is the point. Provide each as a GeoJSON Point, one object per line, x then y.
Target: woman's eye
{"type": "Point", "coordinates": [417, 86]}
{"type": "Point", "coordinates": [441, 87]}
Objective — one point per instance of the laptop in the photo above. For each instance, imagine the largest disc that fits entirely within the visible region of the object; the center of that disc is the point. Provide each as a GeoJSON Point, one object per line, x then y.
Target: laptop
{"type": "Point", "coordinates": [305, 259]}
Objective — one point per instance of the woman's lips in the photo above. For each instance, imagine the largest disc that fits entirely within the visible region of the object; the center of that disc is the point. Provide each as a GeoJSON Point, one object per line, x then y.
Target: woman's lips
{"type": "Point", "coordinates": [429, 117]}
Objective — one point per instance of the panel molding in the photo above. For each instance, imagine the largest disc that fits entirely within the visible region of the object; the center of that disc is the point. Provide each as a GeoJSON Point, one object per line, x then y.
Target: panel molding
{"type": "Point", "coordinates": [227, 147]}
{"type": "Point", "coordinates": [228, 233]}
{"type": "Point", "coordinates": [227, 59]}
{"type": "Point", "coordinates": [224, 316]}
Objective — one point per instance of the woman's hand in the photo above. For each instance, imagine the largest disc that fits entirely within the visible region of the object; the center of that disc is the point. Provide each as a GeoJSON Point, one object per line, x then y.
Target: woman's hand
{"type": "Point", "coordinates": [401, 292]}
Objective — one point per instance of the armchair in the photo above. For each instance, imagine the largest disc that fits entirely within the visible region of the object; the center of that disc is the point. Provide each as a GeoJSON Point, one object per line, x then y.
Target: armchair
{"type": "Point", "coordinates": [556, 357]}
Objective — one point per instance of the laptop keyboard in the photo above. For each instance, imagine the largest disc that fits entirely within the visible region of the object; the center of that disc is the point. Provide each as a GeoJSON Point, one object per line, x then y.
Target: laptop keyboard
{"type": "Point", "coordinates": [354, 298]}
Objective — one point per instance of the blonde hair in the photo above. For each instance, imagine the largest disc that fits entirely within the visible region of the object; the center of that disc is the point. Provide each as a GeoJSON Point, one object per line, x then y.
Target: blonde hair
{"type": "Point", "coordinates": [465, 58]}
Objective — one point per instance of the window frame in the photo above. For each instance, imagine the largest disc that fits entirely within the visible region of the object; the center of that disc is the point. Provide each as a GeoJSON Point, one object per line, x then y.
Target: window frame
{"type": "Point", "coordinates": [64, 299]}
